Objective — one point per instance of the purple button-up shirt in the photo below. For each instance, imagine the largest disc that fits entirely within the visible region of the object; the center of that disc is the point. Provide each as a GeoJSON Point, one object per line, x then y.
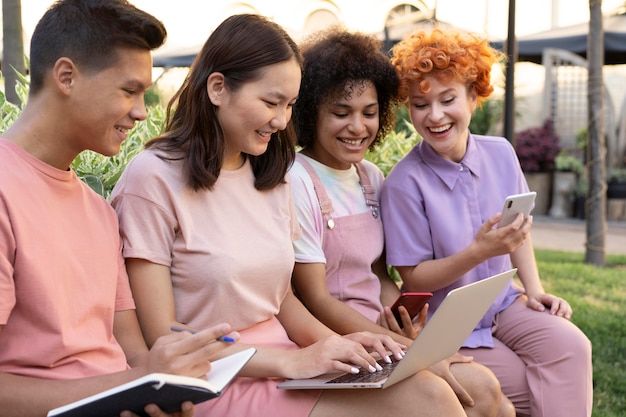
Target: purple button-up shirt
{"type": "Point", "coordinates": [432, 208]}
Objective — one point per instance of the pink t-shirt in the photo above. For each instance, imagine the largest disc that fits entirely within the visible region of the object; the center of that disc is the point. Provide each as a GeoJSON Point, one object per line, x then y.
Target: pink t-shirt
{"type": "Point", "coordinates": [62, 276]}
{"type": "Point", "coordinates": [229, 249]}
{"type": "Point", "coordinates": [230, 256]}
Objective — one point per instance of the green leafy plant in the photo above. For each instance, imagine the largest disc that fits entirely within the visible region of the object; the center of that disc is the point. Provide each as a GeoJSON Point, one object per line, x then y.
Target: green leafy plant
{"type": "Point", "coordinates": [485, 117]}
{"type": "Point", "coordinates": [581, 140]}
{"type": "Point", "coordinates": [403, 121]}
{"type": "Point", "coordinates": [392, 149]}
{"type": "Point", "coordinates": [616, 175]}
{"type": "Point", "coordinates": [567, 161]}
{"type": "Point", "coordinates": [581, 187]}
{"type": "Point", "coordinates": [9, 111]}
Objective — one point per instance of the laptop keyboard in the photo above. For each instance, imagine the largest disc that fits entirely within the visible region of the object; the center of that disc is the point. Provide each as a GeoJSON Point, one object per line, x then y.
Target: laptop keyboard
{"type": "Point", "coordinates": [366, 376]}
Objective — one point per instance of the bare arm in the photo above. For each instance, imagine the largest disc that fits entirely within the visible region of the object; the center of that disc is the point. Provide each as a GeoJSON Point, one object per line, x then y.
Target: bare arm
{"type": "Point", "coordinates": [152, 290]}
{"type": "Point", "coordinates": [389, 290]}
{"type": "Point", "coordinates": [435, 274]}
{"type": "Point", "coordinates": [26, 396]}
{"type": "Point", "coordinates": [524, 259]}
{"type": "Point", "coordinates": [182, 354]}
{"type": "Point", "coordinates": [300, 324]}
{"type": "Point", "coordinates": [128, 334]}
{"type": "Point", "coordinates": [309, 280]}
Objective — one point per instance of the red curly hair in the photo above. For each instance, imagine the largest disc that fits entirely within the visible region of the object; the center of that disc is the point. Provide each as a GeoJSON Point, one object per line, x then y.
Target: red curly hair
{"type": "Point", "coordinates": [447, 56]}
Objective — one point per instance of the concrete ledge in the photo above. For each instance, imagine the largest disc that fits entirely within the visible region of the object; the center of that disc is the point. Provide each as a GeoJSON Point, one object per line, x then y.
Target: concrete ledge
{"type": "Point", "coordinates": [571, 235]}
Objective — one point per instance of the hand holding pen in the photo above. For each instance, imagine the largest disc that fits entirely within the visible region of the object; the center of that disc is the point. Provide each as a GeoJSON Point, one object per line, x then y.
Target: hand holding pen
{"type": "Point", "coordinates": [190, 355]}
{"type": "Point", "coordinates": [227, 339]}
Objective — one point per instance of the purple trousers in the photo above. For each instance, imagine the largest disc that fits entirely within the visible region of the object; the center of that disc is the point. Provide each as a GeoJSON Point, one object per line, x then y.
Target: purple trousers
{"type": "Point", "coordinates": [543, 362]}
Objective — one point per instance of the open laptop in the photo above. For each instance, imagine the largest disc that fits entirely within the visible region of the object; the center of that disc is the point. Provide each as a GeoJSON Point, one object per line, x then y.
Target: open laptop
{"type": "Point", "coordinates": [443, 335]}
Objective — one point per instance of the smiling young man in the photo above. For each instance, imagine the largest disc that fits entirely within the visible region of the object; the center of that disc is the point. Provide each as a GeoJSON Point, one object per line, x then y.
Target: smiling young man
{"type": "Point", "coordinates": [67, 321]}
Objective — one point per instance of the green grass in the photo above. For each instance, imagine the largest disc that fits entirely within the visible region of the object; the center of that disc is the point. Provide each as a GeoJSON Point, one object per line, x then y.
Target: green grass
{"type": "Point", "coordinates": [598, 297]}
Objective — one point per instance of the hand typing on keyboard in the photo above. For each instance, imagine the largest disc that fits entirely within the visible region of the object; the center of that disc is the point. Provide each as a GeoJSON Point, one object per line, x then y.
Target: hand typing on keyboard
{"type": "Point", "coordinates": [364, 376]}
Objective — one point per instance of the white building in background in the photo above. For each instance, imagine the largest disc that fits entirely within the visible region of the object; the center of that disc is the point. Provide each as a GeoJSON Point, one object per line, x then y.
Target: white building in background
{"type": "Point", "coordinates": [387, 19]}
{"type": "Point", "coordinates": [190, 22]}
{"type": "Point", "coordinates": [195, 18]}
{"type": "Point", "coordinates": [301, 18]}
{"type": "Point", "coordinates": [391, 18]}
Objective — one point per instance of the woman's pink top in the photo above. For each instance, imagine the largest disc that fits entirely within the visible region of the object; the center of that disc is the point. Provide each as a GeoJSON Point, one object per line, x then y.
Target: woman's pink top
{"type": "Point", "coordinates": [230, 255]}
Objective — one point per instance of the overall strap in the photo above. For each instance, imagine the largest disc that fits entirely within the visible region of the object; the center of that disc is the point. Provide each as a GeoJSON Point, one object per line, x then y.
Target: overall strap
{"type": "Point", "coordinates": [368, 189]}
{"type": "Point", "coordinates": [322, 198]}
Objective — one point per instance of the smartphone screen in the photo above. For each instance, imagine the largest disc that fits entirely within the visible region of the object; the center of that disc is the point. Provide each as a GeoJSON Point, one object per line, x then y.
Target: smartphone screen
{"type": "Point", "coordinates": [412, 301]}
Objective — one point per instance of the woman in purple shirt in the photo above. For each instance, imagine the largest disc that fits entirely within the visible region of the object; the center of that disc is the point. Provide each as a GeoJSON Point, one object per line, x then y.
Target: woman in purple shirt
{"type": "Point", "coordinates": [440, 208]}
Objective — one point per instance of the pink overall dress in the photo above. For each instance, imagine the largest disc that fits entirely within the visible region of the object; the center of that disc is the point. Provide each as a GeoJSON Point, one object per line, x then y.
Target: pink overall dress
{"type": "Point", "coordinates": [351, 245]}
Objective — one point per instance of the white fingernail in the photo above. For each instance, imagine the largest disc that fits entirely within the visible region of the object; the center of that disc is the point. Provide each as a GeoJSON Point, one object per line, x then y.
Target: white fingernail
{"type": "Point", "coordinates": [372, 369]}
{"type": "Point", "coordinates": [387, 359]}
{"type": "Point", "coordinates": [378, 367]}
{"type": "Point", "coordinates": [354, 370]}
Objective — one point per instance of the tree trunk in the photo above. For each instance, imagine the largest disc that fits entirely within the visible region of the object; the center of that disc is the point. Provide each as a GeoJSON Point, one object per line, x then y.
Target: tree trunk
{"type": "Point", "coordinates": [596, 197]}
{"type": "Point", "coordinates": [13, 47]}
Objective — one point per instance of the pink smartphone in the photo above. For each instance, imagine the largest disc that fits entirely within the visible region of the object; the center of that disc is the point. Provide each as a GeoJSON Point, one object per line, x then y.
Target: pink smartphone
{"type": "Point", "coordinates": [412, 301]}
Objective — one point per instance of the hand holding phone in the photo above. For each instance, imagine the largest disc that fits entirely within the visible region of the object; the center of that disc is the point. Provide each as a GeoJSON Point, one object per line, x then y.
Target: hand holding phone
{"type": "Point", "coordinates": [515, 204]}
{"type": "Point", "coordinates": [412, 301]}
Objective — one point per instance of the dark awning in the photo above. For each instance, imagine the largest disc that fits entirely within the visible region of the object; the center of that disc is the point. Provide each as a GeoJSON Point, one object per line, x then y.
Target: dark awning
{"type": "Point", "coordinates": [574, 39]}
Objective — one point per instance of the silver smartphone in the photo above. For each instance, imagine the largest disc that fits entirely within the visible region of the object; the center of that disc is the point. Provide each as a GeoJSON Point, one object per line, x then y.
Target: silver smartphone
{"type": "Point", "coordinates": [515, 204]}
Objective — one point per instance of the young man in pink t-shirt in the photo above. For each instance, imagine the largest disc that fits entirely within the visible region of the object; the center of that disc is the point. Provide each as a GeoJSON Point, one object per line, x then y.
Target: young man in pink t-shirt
{"type": "Point", "coordinates": [68, 327]}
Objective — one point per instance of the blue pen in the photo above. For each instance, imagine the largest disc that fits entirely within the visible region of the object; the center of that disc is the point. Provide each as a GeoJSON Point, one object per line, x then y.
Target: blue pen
{"type": "Point", "coordinates": [226, 339]}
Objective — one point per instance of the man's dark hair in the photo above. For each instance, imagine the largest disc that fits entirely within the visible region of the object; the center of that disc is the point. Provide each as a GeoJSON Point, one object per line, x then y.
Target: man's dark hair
{"type": "Point", "coordinates": [90, 32]}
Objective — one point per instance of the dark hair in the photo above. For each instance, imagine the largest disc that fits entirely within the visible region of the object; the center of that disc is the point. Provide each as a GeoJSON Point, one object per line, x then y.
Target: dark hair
{"type": "Point", "coordinates": [90, 34]}
{"type": "Point", "coordinates": [239, 48]}
{"type": "Point", "coordinates": [334, 59]}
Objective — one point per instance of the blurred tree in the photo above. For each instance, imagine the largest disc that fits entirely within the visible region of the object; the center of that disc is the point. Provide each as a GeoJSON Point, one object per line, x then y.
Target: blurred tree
{"type": "Point", "coordinates": [596, 197]}
{"type": "Point", "coordinates": [13, 47]}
